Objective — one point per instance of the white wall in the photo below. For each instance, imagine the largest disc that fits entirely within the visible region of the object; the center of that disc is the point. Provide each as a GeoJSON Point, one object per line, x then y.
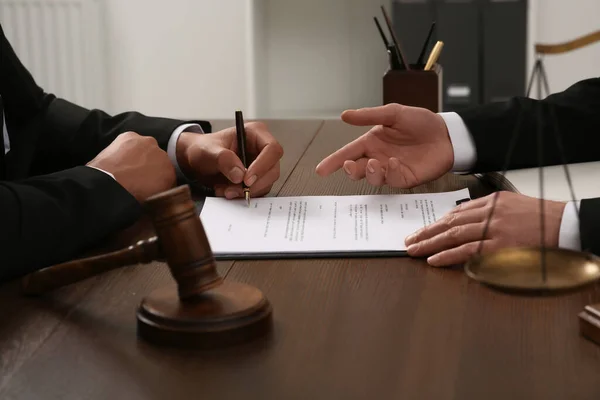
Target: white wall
{"type": "Point", "coordinates": [180, 58]}
{"type": "Point", "coordinates": [195, 58]}
{"type": "Point", "coordinates": [320, 57]}
{"type": "Point", "coordinates": [277, 58]}
{"type": "Point", "coordinates": [557, 21]}
{"type": "Point", "coordinates": [285, 58]}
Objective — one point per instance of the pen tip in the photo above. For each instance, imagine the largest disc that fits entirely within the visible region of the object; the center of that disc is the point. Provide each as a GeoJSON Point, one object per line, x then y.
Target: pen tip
{"type": "Point", "coordinates": [247, 194]}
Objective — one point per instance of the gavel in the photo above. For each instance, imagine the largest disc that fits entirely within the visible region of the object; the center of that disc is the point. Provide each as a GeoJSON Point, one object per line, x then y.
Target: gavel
{"type": "Point", "coordinates": [201, 310]}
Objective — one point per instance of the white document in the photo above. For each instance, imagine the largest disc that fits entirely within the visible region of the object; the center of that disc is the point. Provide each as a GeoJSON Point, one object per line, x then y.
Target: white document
{"type": "Point", "coordinates": [313, 225]}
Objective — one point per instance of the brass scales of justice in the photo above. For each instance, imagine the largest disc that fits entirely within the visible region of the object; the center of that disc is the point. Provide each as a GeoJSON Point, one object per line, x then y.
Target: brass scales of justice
{"type": "Point", "coordinates": [540, 270]}
{"type": "Point", "coordinates": [202, 310]}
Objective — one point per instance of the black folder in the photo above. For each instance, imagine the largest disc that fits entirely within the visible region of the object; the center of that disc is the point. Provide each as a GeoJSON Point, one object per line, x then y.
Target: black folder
{"type": "Point", "coordinates": [459, 28]}
{"type": "Point", "coordinates": [504, 49]}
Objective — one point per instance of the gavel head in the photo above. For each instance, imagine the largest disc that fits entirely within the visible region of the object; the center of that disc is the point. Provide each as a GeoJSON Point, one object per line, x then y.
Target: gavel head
{"type": "Point", "coordinates": [183, 242]}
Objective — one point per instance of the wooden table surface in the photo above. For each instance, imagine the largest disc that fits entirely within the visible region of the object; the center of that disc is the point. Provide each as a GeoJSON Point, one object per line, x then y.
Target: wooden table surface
{"type": "Point", "coordinates": [390, 328]}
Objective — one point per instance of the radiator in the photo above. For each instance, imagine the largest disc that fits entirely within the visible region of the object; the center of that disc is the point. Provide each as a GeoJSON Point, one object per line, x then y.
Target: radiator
{"type": "Point", "coordinates": [61, 42]}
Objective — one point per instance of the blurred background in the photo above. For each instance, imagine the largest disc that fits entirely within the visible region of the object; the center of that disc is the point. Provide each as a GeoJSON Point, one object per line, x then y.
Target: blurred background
{"type": "Point", "coordinates": [284, 58]}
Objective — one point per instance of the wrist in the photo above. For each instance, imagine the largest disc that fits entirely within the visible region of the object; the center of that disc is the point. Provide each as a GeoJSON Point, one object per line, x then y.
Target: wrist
{"type": "Point", "coordinates": [449, 159]}
{"type": "Point", "coordinates": [569, 234]}
{"type": "Point", "coordinates": [464, 152]}
{"type": "Point", "coordinates": [172, 146]}
{"type": "Point", "coordinates": [102, 170]}
{"type": "Point", "coordinates": [555, 210]}
{"type": "Point", "coordinates": [184, 143]}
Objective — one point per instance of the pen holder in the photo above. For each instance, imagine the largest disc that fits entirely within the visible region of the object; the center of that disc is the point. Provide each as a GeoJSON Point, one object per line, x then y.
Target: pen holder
{"type": "Point", "coordinates": [415, 87]}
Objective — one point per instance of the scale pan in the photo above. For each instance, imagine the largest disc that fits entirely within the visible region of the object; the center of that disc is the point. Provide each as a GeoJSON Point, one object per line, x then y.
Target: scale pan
{"type": "Point", "coordinates": [519, 269]}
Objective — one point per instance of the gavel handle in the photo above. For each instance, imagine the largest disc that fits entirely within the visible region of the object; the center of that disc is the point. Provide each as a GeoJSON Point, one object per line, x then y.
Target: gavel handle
{"type": "Point", "coordinates": [60, 275]}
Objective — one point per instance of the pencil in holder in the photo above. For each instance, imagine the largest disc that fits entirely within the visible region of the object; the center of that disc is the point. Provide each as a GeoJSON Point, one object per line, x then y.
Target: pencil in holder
{"type": "Point", "coordinates": [414, 87]}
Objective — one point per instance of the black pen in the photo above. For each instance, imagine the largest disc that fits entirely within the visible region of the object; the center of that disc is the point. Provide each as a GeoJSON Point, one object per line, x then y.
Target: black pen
{"type": "Point", "coordinates": [241, 144]}
{"type": "Point", "coordinates": [385, 41]}
{"type": "Point", "coordinates": [399, 54]}
{"type": "Point", "coordinates": [392, 53]}
{"type": "Point", "coordinates": [421, 60]}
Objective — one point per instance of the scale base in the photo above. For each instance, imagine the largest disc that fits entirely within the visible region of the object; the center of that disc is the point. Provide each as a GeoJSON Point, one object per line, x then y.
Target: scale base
{"type": "Point", "coordinates": [229, 314]}
{"type": "Point", "coordinates": [519, 270]}
{"type": "Point", "coordinates": [589, 323]}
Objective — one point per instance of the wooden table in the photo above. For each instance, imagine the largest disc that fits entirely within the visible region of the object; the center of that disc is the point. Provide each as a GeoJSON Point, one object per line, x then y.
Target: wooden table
{"type": "Point", "coordinates": [344, 328]}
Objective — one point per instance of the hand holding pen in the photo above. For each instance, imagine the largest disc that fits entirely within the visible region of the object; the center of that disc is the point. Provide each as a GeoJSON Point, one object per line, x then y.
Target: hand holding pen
{"type": "Point", "coordinates": [213, 160]}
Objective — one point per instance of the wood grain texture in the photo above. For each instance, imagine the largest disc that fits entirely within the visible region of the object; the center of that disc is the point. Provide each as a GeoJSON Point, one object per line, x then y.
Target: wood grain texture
{"type": "Point", "coordinates": [396, 328]}
{"type": "Point", "coordinates": [389, 328]}
{"type": "Point", "coordinates": [589, 322]}
{"type": "Point", "coordinates": [100, 305]}
{"type": "Point", "coordinates": [25, 326]}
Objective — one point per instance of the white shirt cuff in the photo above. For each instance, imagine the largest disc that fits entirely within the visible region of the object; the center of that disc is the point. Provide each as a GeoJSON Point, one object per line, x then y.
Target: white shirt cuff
{"type": "Point", "coordinates": [465, 153]}
{"type": "Point", "coordinates": [106, 172]}
{"type": "Point", "coordinates": [569, 236]}
{"type": "Point", "coordinates": [172, 146]}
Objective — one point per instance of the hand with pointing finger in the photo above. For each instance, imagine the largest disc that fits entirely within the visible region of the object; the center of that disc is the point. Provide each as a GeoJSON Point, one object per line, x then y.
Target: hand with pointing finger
{"type": "Point", "coordinates": [212, 160]}
{"type": "Point", "coordinates": [408, 146]}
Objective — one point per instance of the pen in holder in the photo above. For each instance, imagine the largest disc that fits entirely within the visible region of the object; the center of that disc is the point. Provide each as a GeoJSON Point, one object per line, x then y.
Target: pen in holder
{"type": "Point", "coordinates": [393, 58]}
{"type": "Point", "coordinates": [415, 87]}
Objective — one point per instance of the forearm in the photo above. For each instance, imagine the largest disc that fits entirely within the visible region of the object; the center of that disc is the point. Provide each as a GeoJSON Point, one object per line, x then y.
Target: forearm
{"type": "Point", "coordinates": [60, 134]}
{"type": "Point", "coordinates": [72, 135]}
{"type": "Point", "coordinates": [465, 157]}
{"type": "Point", "coordinates": [53, 218]}
{"type": "Point", "coordinates": [573, 113]}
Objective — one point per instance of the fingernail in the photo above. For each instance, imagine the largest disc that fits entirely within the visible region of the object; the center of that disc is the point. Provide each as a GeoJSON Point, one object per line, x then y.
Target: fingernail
{"type": "Point", "coordinates": [410, 239]}
{"type": "Point", "coordinates": [412, 248]}
{"type": "Point", "coordinates": [393, 163]}
{"type": "Point", "coordinates": [370, 168]}
{"type": "Point", "coordinates": [236, 175]}
{"type": "Point", "coordinates": [433, 261]}
{"type": "Point", "coordinates": [347, 169]}
{"type": "Point", "coordinates": [231, 194]}
{"type": "Point", "coordinates": [251, 180]}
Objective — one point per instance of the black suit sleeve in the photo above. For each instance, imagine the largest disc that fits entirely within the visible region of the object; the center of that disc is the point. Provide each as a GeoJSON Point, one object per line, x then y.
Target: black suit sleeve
{"type": "Point", "coordinates": [576, 111]}
{"type": "Point", "coordinates": [58, 208]}
{"type": "Point", "coordinates": [71, 135]}
{"type": "Point", "coordinates": [589, 217]}
{"type": "Point", "coordinates": [52, 218]}
{"type": "Point", "coordinates": [577, 114]}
